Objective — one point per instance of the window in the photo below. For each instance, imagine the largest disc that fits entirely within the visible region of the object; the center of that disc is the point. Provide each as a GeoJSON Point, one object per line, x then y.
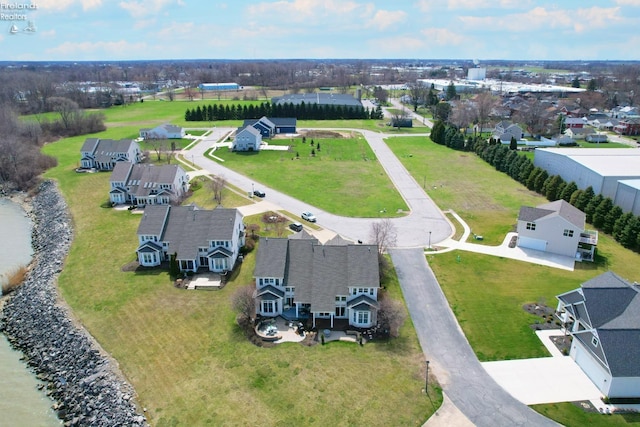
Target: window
{"type": "Point", "coordinates": [531, 226]}
{"type": "Point", "coordinates": [594, 341]}
{"type": "Point", "coordinates": [361, 317]}
{"type": "Point", "coordinates": [568, 233]}
{"type": "Point", "coordinates": [268, 307]}
{"type": "Point", "coordinates": [340, 311]}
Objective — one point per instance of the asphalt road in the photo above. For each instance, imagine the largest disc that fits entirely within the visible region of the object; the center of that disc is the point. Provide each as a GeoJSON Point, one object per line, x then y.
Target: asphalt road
{"type": "Point", "coordinates": [464, 380]}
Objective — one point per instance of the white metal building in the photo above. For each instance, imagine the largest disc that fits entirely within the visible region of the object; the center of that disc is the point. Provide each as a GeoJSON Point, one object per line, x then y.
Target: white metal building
{"type": "Point", "coordinates": [600, 168]}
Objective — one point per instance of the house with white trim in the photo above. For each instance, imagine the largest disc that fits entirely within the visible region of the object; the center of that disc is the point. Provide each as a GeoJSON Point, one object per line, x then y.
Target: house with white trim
{"type": "Point", "coordinates": [165, 131]}
{"type": "Point", "coordinates": [603, 318]}
{"type": "Point", "coordinates": [558, 228]}
{"type": "Point", "coordinates": [147, 184]}
{"type": "Point", "coordinates": [103, 154]}
{"type": "Point", "coordinates": [197, 238]}
{"type": "Point", "coordinates": [247, 138]}
{"type": "Point", "coordinates": [301, 278]}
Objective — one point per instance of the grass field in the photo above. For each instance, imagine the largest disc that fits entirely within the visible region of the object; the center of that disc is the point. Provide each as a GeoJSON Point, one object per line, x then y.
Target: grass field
{"type": "Point", "coordinates": [184, 354]}
{"type": "Point", "coordinates": [342, 170]}
{"type": "Point", "coordinates": [488, 201]}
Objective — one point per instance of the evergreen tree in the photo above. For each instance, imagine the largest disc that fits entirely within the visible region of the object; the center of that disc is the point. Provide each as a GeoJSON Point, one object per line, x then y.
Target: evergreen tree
{"type": "Point", "coordinates": [540, 180]}
{"type": "Point", "coordinates": [513, 144]}
{"type": "Point", "coordinates": [568, 191]}
{"type": "Point", "coordinates": [592, 85]}
{"type": "Point", "coordinates": [601, 212]}
{"type": "Point", "coordinates": [620, 225]}
{"type": "Point", "coordinates": [575, 196]}
{"type": "Point", "coordinates": [437, 132]}
{"type": "Point", "coordinates": [585, 198]}
{"type": "Point", "coordinates": [575, 82]}
{"type": "Point", "coordinates": [525, 170]}
{"type": "Point", "coordinates": [451, 91]}
{"type": "Point", "coordinates": [531, 179]}
{"type": "Point", "coordinates": [610, 219]}
{"type": "Point", "coordinates": [629, 235]}
{"type": "Point", "coordinates": [590, 209]}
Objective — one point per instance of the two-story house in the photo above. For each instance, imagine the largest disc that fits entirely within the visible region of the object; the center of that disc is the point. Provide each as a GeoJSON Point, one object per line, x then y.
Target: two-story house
{"type": "Point", "coordinates": [103, 154]}
{"type": "Point", "coordinates": [556, 227]}
{"type": "Point", "coordinates": [198, 238]}
{"type": "Point", "coordinates": [603, 319]}
{"type": "Point", "coordinates": [165, 131]}
{"type": "Point", "coordinates": [147, 184]}
{"type": "Point", "coordinates": [247, 138]}
{"type": "Point", "coordinates": [302, 277]}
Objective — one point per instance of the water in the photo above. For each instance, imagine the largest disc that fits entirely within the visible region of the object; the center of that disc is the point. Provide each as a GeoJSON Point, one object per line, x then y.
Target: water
{"type": "Point", "coordinates": [21, 403]}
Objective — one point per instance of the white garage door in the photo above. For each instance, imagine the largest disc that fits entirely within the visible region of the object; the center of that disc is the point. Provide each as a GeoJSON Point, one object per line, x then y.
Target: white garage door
{"type": "Point", "coordinates": [530, 243]}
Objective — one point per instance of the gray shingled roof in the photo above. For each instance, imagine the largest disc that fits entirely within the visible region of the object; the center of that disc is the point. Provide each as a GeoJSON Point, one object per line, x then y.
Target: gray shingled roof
{"type": "Point", "coordinates": [560, 207]}
{"type": "Point", "coordinates": [187, 228]}
{"type": "Point", "coordinates": [612, 307]}
{"type": "Point", "coordinates": [317, 98]}
{"type": "Point", "coordinates": [318, 272]}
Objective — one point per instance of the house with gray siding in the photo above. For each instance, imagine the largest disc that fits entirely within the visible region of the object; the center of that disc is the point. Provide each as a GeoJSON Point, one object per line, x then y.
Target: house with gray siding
{"type": "Point", "coordinates": [147, 184]}
{"type": "Point", "coordinates": [301, 278]}
{"type": "Point", "coordinates": [603, 318]}
{"type": "Point", "coordinates": [103, 154]}
{"type": "Point", "coordinates": [247, 138]}
{"type": "Point", "coordinates": [558, 228]}
{"type": "Point", "coordinates": [198, 238]}
{"type": "Point", "coordinates": [165, 131]}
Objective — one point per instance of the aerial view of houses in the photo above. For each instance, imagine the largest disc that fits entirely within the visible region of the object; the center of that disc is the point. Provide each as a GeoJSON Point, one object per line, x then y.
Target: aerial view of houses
{"type": "Point", "coordinates": [319, 240]}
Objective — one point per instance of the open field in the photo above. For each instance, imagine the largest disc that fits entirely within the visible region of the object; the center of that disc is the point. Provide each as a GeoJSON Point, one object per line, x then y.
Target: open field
{"type": "Point", "coordinates": [343, 169]}
{"type": "Point", "coordinates": [184, 354]}
{"type": "Point", "coordinates": [487, 200]}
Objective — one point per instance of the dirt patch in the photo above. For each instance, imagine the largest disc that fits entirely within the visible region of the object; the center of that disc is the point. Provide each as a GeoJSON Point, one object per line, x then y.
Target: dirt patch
{"type": "Point", "coordinates": [132, 266]}
{"type": "Point", "coordinates": [547, 320]}
{"type": "Point", "coordinates": [323, 134]}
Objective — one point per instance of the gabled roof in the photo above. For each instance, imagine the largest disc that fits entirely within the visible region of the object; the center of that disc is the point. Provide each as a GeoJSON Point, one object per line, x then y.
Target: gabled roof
{"type": "Point", "coordinates": [318, 272]}
{"type": "Point", "coordinates": [611, 306]}
{"type": "Point", "coordinates": [250, 129]}
{"type": "Point", "coordinates": [559, 208]}
{"type": "Point", "coordinates": [187, 228]}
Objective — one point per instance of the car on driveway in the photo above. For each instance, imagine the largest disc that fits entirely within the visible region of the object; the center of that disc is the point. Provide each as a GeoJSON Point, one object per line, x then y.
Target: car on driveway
{"type": "Point", "coordinates": [295, 226]}
{"type": "Point", "coordinates": [308, 216]}
{"type": "Point", "coordinates": [258, 193]}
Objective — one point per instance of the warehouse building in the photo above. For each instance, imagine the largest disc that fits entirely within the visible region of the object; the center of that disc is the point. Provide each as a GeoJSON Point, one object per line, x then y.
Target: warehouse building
{"type": "Point", "coordinates": [612, 172]}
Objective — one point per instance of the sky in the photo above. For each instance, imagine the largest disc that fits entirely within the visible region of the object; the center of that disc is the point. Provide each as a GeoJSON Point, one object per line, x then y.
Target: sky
{"type": "Point", "coordinates": [112, 30]}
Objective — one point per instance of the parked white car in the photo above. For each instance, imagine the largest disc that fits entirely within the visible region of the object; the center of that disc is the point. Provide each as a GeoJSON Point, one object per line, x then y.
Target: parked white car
{"type": "Point", "coordinates": [308, 216]}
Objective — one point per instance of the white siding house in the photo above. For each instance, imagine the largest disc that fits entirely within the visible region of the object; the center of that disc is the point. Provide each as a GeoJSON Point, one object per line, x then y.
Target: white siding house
{"type": "Point", "coordinates": [300, 278]}
{"type": "Point", "coordinates": [146, 184]}
{"type": "Point", "coordinates": [103, 154]}
{"type": "Point", "coordinates": [247, 139]}
{"type": "Point", "coordinates": [165, 131]}
{"type": "Point", "coordinates": [198, 238]}
{"type": "Point", "coordinates": [602, 318]}
{"type": "Point", "coordinates": [558, 228]}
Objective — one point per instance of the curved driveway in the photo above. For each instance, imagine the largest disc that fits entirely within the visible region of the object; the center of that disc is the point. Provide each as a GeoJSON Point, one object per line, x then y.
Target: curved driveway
{"type": "Point", "coordinates": [463, 379]}
{"type": "Point", "coordinates": [413, 229]}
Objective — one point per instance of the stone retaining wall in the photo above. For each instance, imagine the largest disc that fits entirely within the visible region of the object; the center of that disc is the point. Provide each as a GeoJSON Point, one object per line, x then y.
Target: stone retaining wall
{"type": "Point", "coordinates": [85, 385]}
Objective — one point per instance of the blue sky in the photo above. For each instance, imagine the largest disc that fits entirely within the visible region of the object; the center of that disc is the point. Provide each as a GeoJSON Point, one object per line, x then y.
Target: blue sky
{"type": "Point", "coordinates": [78, 30]}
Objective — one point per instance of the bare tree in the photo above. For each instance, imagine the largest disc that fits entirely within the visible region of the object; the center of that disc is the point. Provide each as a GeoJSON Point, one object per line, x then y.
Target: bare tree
{"type": "Point", "coordinates": [462, 115]}
{"type": "Point", "coordinates": [384, 234]}
{"type": "Point", "coordinates": [242, 301]}
{"type": "Point", "coordinates": [157, 143]}
{"type": "Point", "coordinates": [485, 103]}
{"type": "Point", "coordinates": [418, 93]}
{"type": "Point", "coordinates": [391, 315]}
{"type": "Point", "coordinates": [66, 108]}
{"type": "Point", "coordinates": [217, 185]}
{"type": "Point", "coordinates": [534, 115]}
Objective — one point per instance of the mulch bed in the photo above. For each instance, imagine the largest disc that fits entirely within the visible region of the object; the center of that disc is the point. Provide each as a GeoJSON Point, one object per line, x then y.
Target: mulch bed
{"type": "Point", "coordinates": [547, 321]}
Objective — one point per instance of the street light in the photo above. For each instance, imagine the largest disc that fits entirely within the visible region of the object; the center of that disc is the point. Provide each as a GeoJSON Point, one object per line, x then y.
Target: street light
{"type": "Point", "coordinates": [426, 381]}
{"type": "Point", "coordinates": [429, 248]}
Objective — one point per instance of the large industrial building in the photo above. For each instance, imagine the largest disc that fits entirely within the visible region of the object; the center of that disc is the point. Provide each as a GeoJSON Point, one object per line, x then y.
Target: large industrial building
{"type": "Point", "coordinates": [317, 98]}
{"type": "Point", "coordinates": [612, 172]}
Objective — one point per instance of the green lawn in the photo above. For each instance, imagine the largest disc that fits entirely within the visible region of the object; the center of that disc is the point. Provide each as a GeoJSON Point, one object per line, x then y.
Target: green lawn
{"type": "Point", "coordinates": [182, 351]}
{"type": "Point", "coordinates": [487, 200]}
{"type": "Point", "coordinates": [343, 170]}
{"type": "Point", "coordinates": [570, 415]}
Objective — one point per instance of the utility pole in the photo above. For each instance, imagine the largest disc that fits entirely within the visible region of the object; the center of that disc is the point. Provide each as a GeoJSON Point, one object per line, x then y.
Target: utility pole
{"type": "Point", "coordinates": [426, 381]}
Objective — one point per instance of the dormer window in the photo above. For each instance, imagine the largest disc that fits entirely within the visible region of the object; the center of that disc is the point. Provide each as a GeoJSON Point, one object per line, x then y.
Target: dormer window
{"type": "Point", "coordinates": [531, 226]}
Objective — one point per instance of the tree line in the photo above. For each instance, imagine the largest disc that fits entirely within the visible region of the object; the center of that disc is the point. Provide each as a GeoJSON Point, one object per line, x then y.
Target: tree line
{"type": "Point", "coordinates": [600, 211]}
{"type": "Point", "coordinates": [300, 111]}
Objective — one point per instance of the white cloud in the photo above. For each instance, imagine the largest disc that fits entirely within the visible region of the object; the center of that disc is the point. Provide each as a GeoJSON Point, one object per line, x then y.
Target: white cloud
{"type": "Point", "coordinates": [300, 10]}
{"type": "Point", "coordinates": [442, 36]}
{"type": "Point", "coordinates": [116, 49]}
{"type": "Point", "coordinates": [635, 3]}
{"type": "Point", "coordinates": [423, 5]}
{"type": "Point", "coordinates": [541, 18]}
{"type": "Point", "coordinates": [385, 18]}
{"type": "Point", "coordinates": [139, 9]}
{"type": "Point", "coordinates": [485, 4]}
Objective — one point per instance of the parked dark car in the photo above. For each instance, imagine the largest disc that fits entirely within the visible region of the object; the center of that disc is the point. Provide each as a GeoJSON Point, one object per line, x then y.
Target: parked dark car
{"type": "Point", "coordinates": [295, 226]}
{"type": "Point", "coordinates": [258, 193]}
